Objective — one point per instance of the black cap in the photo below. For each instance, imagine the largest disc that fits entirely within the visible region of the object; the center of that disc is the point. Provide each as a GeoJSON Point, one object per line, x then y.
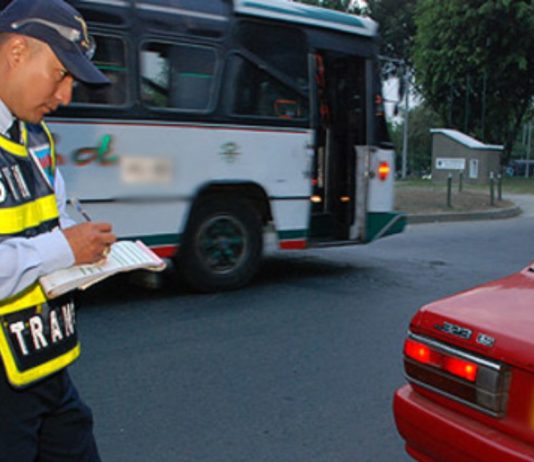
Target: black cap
{"type": "Point", "coordinates": [61, 27]}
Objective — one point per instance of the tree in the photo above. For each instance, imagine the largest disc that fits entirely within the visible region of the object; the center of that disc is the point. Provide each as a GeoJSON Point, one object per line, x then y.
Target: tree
{"type": "Point", "coordinates": [422, 119]}
{"type": "Point", "coordinates": [474, 64]}
{"type": "Point", "coordinates": [397, 26]}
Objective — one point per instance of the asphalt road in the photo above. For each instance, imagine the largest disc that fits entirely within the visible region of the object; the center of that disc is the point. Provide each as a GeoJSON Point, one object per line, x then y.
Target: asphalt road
{"type": "Point", "coordinates": [299, 367]}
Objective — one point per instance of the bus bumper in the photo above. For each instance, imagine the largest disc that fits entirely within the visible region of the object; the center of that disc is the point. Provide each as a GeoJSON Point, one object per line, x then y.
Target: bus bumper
{"type": "Point", "coordinates": [380, 224]}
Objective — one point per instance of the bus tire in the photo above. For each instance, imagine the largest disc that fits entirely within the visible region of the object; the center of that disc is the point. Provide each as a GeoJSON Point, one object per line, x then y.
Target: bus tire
{"type": "Point", "coordinates": [222, 245]}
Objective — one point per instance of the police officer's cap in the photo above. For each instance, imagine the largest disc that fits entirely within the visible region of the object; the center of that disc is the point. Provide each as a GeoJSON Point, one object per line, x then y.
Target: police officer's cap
{"type": "Point", "coordinates": [61, 27]}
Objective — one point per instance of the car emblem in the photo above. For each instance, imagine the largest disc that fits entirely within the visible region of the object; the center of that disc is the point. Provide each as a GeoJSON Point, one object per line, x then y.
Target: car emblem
{"type": "Point", "coordinates": [485, 340]}
{"type": "Point", "coordinates": [453, 329]}
{"type": "Point", "coordinates": [465, 333]}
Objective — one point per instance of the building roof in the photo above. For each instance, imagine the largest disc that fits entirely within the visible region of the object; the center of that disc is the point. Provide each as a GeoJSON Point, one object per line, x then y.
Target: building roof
{"type": "Point", "coordinates": [290, 11]}
{"type": "Point", "coordinates": [466, 140]}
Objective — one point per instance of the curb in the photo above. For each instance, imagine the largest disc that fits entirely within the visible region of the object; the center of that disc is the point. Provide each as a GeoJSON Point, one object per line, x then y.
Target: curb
{"type": "Point", "coordinates": [464, 216]}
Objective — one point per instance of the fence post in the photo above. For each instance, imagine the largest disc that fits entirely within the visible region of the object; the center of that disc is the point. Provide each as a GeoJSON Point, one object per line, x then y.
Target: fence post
{"type": "Point", "coordinates": [499, 187]}
{"type": "Point", "coordinates": [461, 181]}
{"type": "Point", "coordinates": [492, 188]}
{"type": "Point", "coordinates": [449, 191]}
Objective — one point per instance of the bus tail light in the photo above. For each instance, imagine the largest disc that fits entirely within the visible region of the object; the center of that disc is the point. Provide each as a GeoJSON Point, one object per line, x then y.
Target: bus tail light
{"type": "Point", "coordinates": [384, 170]}
{"type": "Point", "coordinates": [469, 379]}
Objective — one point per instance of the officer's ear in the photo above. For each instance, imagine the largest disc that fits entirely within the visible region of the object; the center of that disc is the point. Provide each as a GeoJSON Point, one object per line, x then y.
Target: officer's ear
{"type": "Point", "coordinates": [17, 49]}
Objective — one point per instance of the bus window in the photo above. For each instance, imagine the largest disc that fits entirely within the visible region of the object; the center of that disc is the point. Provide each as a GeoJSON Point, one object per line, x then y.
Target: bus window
{"type": "Point", "coordinates": [177, 76]}
{"type": "Point", "coordinates": [110, 58]}
{"type": "Point", "coordinates": [259, 94]}
{"type": "Point", "coordinates": [283, 48]}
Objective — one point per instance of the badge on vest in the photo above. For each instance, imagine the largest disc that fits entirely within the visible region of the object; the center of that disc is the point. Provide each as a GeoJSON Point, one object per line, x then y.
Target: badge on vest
{"type": "Point", "coordinates": [37, 342]}
{"type": "Point", "coordinates": [43, 154]}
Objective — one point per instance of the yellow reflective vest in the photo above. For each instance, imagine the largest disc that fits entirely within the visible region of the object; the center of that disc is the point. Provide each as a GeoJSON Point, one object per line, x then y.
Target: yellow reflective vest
{"type": "Point", "coordinates": [37, 336]}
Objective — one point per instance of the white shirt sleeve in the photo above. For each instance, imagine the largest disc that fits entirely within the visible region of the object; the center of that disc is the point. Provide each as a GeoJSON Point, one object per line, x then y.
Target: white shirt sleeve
{"type": "Point", "coordinates": [24, 260]}
{"type": "Point", "coordinates": [65, 220]}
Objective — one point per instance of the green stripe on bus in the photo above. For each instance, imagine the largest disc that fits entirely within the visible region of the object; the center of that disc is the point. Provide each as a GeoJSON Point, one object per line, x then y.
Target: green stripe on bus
{"type": "Point", "coordinates": [380, 224]}
{"type": "Point", "coordinates": [320, 14]}
{"type": "Point", "coordinates": [196, 75]}
{"type": "Point", "coordinates": [159, 239]}
{"type": "Point", "coordinates": [293, 234]}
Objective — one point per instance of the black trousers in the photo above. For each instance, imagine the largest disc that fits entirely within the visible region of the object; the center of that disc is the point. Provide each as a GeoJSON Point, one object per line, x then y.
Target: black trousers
{"type": "Point", "coordinates": [46, 422]}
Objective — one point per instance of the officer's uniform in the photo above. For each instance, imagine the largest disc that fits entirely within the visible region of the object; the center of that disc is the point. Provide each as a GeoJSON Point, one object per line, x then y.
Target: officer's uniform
{"type": "Point", "coordinates": [41, 415]}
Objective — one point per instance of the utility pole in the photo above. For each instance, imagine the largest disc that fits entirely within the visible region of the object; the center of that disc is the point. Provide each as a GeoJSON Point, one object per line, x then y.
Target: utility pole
{"type": "Point", "coordinates": [484, 89]}
{"type": "Point", "coordinates": [406, 117]}
{"type": "Point", "coordinates": [466, 109]}
{"type": "Point", "coordinates": [529, 140]}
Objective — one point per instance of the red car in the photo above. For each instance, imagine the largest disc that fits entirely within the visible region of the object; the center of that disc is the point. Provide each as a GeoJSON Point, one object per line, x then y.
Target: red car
{"type": "Point", "coordinates": [469, 363]}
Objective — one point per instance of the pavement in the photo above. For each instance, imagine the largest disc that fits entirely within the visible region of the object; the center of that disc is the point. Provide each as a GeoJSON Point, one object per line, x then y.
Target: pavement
{"type": "Point", "coordinates": [522, 204]}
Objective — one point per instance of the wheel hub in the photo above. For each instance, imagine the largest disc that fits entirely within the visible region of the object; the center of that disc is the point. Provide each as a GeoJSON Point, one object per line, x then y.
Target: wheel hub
{"type": "Point", "coordinates": [222, 243]}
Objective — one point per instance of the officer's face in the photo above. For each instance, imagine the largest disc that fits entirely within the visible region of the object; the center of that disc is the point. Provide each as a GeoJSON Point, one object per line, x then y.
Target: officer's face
{"type": "Point", "coordinates": [42, 83]}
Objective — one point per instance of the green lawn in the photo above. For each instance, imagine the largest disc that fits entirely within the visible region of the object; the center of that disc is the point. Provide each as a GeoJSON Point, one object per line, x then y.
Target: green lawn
{"type": "Point", "coordinates": [510, 185]}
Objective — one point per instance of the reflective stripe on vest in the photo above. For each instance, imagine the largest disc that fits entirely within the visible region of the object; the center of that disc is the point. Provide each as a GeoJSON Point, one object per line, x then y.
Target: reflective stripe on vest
{"type": "Point", "coordinates": [14, 220]}
{"type": "Point", "coordinates": [32, 296]}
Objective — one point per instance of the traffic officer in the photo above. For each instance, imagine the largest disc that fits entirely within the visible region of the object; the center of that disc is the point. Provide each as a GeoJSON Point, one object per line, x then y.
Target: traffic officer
{"type": "Point", "coordinates": [44, 47]}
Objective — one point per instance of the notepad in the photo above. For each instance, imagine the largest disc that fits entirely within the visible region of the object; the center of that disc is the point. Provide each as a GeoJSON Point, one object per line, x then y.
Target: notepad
{"type": "Point", "coordinates": [123, 256]}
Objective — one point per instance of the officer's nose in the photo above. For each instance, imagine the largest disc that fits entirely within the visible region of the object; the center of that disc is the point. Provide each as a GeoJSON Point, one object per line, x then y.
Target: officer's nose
{"type": "Point", "coordinates": [64, 90]}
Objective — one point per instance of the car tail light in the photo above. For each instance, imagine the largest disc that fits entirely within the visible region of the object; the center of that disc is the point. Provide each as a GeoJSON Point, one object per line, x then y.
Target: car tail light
{"type": "Point", "coordinates": [383, 171]}
{"type": "Point", "coordinates": [425, 355]}
{"type": "Point", "coordinates": [459, 375]}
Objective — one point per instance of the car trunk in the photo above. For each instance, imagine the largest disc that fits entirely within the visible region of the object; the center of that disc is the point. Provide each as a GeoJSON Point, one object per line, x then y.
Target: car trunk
{"type": "Point", "coordinates": [502, 311]}
{"type": "Point", "coordinates": [493, 321]}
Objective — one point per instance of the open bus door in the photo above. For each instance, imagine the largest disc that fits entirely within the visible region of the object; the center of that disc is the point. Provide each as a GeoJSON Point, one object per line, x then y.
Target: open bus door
{"type": "Point", "coordinates": [338, 201]}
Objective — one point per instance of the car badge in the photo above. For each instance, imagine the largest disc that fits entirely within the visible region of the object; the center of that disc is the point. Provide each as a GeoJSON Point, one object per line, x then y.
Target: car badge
{"type": "Point", "coordinates": [453, 329]}
{"type": "Point", "coordinates": [465, 333]}
{"type": "Point", "coordinates": [485, 340]}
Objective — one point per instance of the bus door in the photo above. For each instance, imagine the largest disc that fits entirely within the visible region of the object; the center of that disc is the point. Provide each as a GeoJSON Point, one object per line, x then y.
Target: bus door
{"type": "Point", "coordinates": [341, 120]}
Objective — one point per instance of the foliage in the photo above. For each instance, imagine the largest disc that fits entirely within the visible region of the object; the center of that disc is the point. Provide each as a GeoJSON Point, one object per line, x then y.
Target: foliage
{"type": "Point", "coordinates": [474, 64]}
{"type": "Point", "coordinates": [420, 120]}
{"type": "Point", "coordinates": [397, 25]}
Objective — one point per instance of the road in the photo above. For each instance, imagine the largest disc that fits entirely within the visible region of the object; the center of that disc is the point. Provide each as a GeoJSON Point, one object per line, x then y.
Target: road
{"type": "Point", "coordinates": [299, 367]}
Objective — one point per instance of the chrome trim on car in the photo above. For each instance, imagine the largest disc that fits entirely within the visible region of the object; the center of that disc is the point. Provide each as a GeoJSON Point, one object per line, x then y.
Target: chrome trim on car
{"type": "Point", "coordinates": [456, 352]}
{"type": "Point", "coordinates": [491, 385]}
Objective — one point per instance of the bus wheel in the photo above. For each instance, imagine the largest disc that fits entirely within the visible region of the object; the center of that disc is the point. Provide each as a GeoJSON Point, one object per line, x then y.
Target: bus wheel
{"type": "Point", "coordinates": [222, 245]}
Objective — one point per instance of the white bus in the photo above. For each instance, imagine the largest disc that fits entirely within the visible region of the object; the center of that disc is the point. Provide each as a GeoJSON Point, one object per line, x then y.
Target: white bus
{"type": "Point", "coordinates": [225, 120]}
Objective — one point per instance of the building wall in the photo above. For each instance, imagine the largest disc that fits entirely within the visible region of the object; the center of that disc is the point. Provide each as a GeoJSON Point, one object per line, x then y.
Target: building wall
{"type": "Point", "coordinates": [451, 152]}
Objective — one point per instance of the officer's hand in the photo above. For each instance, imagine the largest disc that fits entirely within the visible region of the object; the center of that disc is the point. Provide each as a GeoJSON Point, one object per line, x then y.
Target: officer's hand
{"type": "Point", "coordinates": [89, 242]}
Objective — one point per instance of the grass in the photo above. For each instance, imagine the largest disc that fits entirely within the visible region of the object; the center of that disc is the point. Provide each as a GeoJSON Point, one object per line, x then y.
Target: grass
{"type": "Point", "coordinates": [423, 196]}
{"type": "Point", "coordinates": [510, 185]}
{"type": "Point", "coordinates": [518, 185]}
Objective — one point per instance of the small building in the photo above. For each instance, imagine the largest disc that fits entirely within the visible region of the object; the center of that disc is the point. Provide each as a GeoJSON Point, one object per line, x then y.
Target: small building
{"type": "Point", "coordinates": [454, 152]}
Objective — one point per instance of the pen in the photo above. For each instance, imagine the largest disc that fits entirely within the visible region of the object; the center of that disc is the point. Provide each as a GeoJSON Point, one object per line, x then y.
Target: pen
{"type": "Point", "coordinates": [76, 203]}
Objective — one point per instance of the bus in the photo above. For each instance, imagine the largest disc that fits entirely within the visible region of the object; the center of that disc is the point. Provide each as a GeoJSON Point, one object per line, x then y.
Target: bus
{"type": "Point", "coordinates": [227, 120]}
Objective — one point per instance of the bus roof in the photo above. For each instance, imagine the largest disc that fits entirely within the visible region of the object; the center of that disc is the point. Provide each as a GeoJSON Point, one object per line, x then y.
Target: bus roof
{"type": "Point", "coordinates": [290, 11]}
